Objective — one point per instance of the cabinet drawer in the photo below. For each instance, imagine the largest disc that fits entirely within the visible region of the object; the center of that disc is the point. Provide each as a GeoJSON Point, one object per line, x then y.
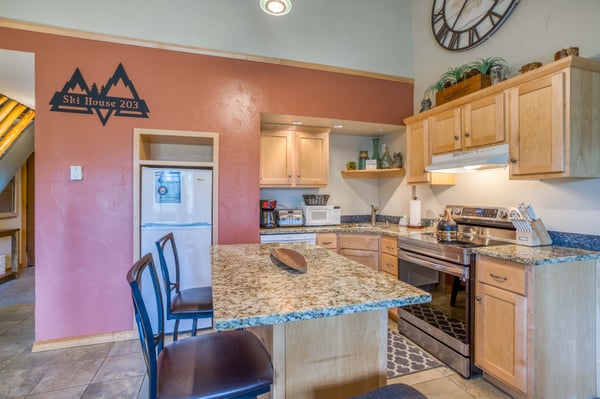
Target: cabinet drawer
{"type": "Point", "coordinates": [327, 240]}
{"type": "Point", "coordinates": [389, 245]}
{"type": "Point", "coordinates": [359, 241]}
{"type": "Point", "coordinates": [503, 274]}
{"type": "Point", "coordinates": [389, 264]}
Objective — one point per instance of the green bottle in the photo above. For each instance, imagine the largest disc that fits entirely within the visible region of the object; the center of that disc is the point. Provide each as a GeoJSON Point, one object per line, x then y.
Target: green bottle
{"type": "Point", "coordinates": [386, 159]}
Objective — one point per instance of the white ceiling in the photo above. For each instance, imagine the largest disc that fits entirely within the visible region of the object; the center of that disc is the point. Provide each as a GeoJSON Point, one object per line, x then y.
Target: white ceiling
{"type": "Point", "coordinates": [17, 79]}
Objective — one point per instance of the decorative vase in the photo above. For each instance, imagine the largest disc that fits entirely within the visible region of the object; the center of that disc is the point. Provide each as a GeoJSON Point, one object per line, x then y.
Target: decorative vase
{"type": "Point", "coordinates": [376, 152]}
{"type": "Point", "coordinates": [363, 155]}
{"type": "Point", "coordinates": [386, 159]}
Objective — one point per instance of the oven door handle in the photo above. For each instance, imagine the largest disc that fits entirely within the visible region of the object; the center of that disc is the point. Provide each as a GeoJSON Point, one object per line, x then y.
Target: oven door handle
{"type": "Point", "coordinates": [460, 271]}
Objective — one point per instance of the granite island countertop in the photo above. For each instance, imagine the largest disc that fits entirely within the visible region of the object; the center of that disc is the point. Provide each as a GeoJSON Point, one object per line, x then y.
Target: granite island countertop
{"type": "Point", "coordinates": [542, 255]}
{"type": "Point", "coordinates": [250, 289]}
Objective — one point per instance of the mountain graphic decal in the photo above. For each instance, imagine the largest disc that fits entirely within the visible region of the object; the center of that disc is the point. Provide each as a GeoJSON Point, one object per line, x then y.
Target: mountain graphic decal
{"type": "Point", "coordinates": [117, 97]}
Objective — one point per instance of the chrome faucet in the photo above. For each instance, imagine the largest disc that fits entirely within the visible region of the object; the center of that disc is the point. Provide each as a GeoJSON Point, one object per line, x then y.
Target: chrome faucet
{"type": "Point", "coordinates": [373, 215]}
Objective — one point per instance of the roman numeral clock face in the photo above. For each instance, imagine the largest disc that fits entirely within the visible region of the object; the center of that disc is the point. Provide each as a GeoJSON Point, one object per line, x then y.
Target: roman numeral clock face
{"type": "Point", "coordinates": [459, 25]}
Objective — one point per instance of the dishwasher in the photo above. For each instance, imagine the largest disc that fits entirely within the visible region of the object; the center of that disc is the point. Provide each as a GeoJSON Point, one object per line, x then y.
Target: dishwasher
{"type": "Point", "coordinates": [289, 237]}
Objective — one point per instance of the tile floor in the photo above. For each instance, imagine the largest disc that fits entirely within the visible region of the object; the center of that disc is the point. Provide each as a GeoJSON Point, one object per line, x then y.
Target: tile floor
{"type": "Point", "coordinates": [116, 370]}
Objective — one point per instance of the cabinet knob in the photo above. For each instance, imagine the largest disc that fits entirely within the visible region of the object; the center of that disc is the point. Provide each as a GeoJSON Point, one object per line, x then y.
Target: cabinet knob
{"type": "Point", "coordinates": [467, 134]}
{"type": "Point", "coordinates": [456, 138]}
{"type": "Point", "coordinates": [513, 160]}
{"type": "Point", "coordinates": [478, 298]}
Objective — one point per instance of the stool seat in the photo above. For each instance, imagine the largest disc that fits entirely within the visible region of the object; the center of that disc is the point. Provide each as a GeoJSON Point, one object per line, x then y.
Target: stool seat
{"type": "Point", "coordinates": [393, 391]}
{"type": "Point", "coordinates": [197, 299]}
{"type": "Point", "coordinates": [233, 364]}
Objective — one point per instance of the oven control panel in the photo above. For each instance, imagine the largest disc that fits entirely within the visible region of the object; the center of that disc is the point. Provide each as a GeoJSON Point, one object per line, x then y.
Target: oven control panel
{"type": "Point", "coordinates": [479, 213]}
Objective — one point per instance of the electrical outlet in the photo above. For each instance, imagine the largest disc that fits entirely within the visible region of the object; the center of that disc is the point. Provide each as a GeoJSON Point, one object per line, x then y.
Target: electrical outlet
{"type": "Point", "coordinates": [76, 172]}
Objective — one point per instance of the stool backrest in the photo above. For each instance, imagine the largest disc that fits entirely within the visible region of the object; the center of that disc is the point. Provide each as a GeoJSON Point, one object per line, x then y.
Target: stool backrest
{"type": "Point", "coordinates": [168, 250]}
{"type": "Point", "coordinates": [144, 271]}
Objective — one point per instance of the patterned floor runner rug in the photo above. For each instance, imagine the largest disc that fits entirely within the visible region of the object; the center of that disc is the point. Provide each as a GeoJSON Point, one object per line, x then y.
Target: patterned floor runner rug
{"type": "Point", "coordinates": [406, 358]}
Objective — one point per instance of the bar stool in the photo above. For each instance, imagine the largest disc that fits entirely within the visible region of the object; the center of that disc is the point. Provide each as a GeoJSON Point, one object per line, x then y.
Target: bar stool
{"type": "Point", "coordinates": [219, 365]}
{"type": "Point", "coordinates": [189, 304]}
{"type": "Point", "coordinates": [393, 391]}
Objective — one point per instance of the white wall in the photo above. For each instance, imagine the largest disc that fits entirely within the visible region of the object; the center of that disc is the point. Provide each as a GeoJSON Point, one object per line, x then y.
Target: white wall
{"type": "Point", "coordinates": [534, 32]}
{"type": "Point", "coordinates": [372, 35]}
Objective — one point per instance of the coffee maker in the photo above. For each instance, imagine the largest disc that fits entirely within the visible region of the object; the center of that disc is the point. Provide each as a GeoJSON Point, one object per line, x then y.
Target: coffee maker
{"type": "Point", "coordinates": [267, 213]}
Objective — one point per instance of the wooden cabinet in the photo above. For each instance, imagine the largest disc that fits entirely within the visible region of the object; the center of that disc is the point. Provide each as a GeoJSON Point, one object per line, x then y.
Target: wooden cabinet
{"type": "Point", "coordinates": [554, 124]}
{"type": "Point", "coordinates": [327, 240]}
{"type": "Point", "coordinates": [294, 158]}
{"type": "Point", "coordinates": [388, 263]}
{"type": "Point", "coordinates": [501, 321]}
{"type": "Point", "coordinates": [418, 156]}
{"type": "Point", "coordinates": [535, 331]}
{"type": "Point", "coordinates": [417, 152]}
{"type": "Point", "coordinates": [362, 248]}
{"type": "Point", "coordinates": [549, 116]}
{"type": "Point", "coordinates": [389, 255]}
{"type": "Point", "coordinates": [478, 123]}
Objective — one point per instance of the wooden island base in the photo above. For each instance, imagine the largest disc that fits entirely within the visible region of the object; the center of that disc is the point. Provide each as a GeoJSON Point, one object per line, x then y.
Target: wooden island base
{"type": "Point", "coordinates": [327, 358]}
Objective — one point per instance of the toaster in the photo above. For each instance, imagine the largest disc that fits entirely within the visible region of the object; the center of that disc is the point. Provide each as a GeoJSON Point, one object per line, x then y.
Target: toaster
{"type": "Point", "coordinates": [289, 217]}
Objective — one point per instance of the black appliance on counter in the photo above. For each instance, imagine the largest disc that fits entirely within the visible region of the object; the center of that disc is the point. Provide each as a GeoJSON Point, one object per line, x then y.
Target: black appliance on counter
{"type": "Point", "coordinates": [444, 327]}
{"type": "Point", "coordinates": [268, 217]}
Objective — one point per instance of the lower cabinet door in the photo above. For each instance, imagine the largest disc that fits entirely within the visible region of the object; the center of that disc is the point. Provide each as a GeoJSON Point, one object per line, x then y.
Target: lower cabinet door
{"type": "Point", "coordinates": [367, 258]}
{"type": "Point", "coordinates": [501, 335]}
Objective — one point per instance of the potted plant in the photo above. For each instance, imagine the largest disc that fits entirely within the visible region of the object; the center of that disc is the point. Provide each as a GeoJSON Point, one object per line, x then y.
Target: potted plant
{"type": "Point", "coordinates": [484, 65]}
{"type": "Point", "coordinates": [429, 92]}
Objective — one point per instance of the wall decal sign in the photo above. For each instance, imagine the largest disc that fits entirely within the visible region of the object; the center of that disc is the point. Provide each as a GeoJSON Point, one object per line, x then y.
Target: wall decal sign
{"type": "Point", "coordinates": [118, 96]}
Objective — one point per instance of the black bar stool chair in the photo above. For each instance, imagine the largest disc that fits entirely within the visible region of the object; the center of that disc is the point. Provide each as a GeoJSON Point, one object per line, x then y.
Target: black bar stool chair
{"type": "Point", "coordinates": [189, 304]}
{"type": "Point", "coordinates": [393, 391]}
{"type": "Point", "coordinates": [219, 365]}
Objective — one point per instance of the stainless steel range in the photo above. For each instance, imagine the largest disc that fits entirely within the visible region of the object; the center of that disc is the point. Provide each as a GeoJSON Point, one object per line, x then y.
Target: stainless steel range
{"type": "Point", "coordinates": [444, 327]}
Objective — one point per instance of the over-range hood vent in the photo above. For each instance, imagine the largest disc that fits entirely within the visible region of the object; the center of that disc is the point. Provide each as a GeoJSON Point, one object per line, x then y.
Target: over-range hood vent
{"type": "Point", "coordinates": [469, 161]}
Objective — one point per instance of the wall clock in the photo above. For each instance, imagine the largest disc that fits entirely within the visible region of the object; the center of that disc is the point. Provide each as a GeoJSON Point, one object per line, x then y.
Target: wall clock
{"type": "Point", "coordinates": [459, 25]}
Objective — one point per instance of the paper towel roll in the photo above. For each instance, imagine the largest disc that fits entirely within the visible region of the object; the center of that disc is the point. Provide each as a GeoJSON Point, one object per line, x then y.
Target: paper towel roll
{"type": "Point", "coordinates": [415, 213]}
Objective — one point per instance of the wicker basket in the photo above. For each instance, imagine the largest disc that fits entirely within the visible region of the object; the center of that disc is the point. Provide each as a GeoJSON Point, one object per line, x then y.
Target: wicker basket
{"type": "Point", "coordinates": [315, 199]}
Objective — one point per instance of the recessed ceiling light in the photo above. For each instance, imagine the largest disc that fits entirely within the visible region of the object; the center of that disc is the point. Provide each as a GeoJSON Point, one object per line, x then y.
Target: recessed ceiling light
{"type": "Point", "coordinates": [380, 129]}
{"type": "Point", "coordinates": [338, 126]}
{"type": "Point", "coordinates": [276, 7]}
{"type": "Point", "coordinates": [296, 122]}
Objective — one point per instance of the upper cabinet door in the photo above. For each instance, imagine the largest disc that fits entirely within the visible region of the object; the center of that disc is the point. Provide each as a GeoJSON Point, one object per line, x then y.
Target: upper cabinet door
{"type": "Point", "coordinates": [537, 126]}
{"type": "Point", "coordinates": [445, 131]}
{"type": "Point", "coordinates": [276, 158]}
{"type": "Point", "coordinates": [417, 154]}
{"type": "Point", "coordinates": [312, 159]}
{"type": "Point", "coordinates": [484, 121]}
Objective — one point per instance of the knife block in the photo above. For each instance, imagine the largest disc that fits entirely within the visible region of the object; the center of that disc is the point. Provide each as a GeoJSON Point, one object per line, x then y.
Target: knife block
{"type": "Point", "coordinates": [537, 235]}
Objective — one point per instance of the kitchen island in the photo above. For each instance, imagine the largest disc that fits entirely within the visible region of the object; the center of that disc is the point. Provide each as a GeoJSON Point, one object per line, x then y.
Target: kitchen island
{"type": "Point", "coordinates": [326, 329]}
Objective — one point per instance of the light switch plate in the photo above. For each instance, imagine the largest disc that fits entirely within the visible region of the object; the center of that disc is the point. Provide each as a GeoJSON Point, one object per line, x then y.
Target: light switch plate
{"type": "Point", "coordinates": [76, 172]}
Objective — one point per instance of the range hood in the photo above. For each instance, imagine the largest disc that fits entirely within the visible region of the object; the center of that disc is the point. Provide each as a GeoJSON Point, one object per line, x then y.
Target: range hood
{"type": "Point", "coordinates": [469, 161]}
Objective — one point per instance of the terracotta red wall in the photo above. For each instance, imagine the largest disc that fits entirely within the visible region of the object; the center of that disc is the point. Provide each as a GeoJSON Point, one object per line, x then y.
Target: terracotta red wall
{"type": "Point", "coordinates": [84, 228]}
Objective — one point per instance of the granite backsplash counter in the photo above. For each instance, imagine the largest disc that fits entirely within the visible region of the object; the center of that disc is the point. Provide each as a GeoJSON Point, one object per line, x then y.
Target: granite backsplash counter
{"type": "Point", "coordinates": [567, 247]}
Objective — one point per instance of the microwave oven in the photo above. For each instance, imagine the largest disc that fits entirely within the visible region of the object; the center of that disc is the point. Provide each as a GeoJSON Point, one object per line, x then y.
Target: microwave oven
{"type": "Point", "coordinates": [321, 215]}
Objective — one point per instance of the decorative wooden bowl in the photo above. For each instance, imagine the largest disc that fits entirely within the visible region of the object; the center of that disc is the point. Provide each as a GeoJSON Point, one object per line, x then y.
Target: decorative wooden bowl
{"type": "Point", "coordinates": [290, 258]}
